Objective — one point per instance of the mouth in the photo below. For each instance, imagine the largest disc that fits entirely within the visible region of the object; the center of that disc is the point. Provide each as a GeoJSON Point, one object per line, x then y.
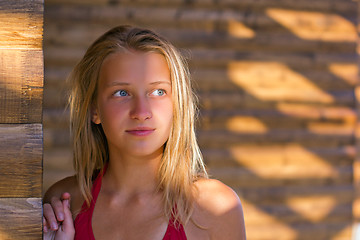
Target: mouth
{"type": "Point", "coordinates": [140, 131]}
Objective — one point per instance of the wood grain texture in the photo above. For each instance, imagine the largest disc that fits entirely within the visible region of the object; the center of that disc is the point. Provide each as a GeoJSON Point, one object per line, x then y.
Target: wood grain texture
{"type": "Point", "coordinates": [21, 218]}
{"type": "Point", "coordinates": [356, 164]}
{"type": "Point", "coordinates": [281, 42]}
{"type": "Point", "coordinates": [22, 24]}
{"type": "Point", "coordinates": [21, 89]}
{"type": "Point", "coordinates": [321, 5]}
{"type": "Point", "coordinates": [20, 160]}
{"type": "Point", "coordinates": [21, 85]}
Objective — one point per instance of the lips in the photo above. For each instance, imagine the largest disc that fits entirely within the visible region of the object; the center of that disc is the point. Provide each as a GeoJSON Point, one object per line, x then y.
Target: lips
{"type": "Point", "coordinates": [141, 131]}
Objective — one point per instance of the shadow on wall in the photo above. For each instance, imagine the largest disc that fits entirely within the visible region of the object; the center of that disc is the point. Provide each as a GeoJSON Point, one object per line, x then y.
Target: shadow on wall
{"type": "Point", "coordinates": [295, 133]}
{"type": "Point", "coordinates": [277, 104]}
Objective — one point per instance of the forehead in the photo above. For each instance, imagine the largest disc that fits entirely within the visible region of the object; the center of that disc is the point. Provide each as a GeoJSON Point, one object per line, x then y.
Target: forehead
{"type": "Point", "coordinates": [134, 66]}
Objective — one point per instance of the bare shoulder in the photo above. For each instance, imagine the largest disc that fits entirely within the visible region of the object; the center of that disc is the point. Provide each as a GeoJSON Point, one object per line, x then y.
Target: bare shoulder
{"type": "Point", "coordinates": [69, 185]}
{"type": "Point", "coordinates": [216, 196]}
{"type": "Point", "coordinates": [218, 208]}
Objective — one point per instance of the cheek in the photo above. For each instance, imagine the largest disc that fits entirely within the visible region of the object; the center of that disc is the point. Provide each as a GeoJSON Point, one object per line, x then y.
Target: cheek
{"type": "Point", "coordinates": [170, 114]}
{"type": "Point", "coordinates": [165, 111]}
{"type": "Point", "coordinates": [111, 113]}
{"type": "Point", "coordinates": [170, 120]}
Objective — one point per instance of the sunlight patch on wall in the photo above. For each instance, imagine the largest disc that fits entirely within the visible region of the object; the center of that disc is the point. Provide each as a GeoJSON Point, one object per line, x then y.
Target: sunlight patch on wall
{"type": "Point", "coordinates": [315, 25]}
{"type": "Point", "coordinates": [340, 120]}
{"type": "Point", "coordinates": [282, 162]}
{"type": "Point", "coordinates": [259, 224]}
{"type": "Point", "coordinates": [246, 124]}
{"type": "Point", "coordinates": [4, 236]}
{"type": "Point", "coordinates": [347, 72]}
{"type": "Point", "coordinates": [239, 30]}
{"type": "Point", "coordinates": [9, 69]}
{"type": "Point", "coordinates": [313, 208]}
{"type": "Point", "coordinates": [345, 233]}
{"type": "Point", "coordinates": [13, 73]}
{"type": "Point", "coordinates": [21, 31]}
{"type": "Point", "coordinates": [273, 81]}
{"type": "Point", "coordinates": [344, 128]}
{"type": "Point", "coordinates": [317, 112]}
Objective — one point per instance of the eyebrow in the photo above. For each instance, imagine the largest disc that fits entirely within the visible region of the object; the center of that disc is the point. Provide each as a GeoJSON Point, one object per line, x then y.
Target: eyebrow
{"type": "Point", "coordinates": [127, 84]}
{"type": "Point", "coordinates": [160, 82]}
{"type": "Point", "coordinates": [117, 84]}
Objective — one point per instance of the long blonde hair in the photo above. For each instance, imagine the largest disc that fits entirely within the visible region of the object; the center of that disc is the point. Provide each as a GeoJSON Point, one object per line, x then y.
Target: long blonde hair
{"type": "Point", "coordinates": [182, 162]}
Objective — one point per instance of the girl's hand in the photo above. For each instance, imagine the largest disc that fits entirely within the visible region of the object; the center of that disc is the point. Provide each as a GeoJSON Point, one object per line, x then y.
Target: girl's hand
{"type": "Point", "coordinates": [65, 230]}
{"type": "Point", "coordinates": [54, 212]}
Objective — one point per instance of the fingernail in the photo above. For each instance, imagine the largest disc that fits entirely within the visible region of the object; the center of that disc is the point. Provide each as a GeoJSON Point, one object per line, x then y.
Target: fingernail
{"type": "Point", "coordinates": [61, 217]}
{"type": "Point", "coordinates": [45, 229]}
{"type": "Point", "coordinates": [54, 226]}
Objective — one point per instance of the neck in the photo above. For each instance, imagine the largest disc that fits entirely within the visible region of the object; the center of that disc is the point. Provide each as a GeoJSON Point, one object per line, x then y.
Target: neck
{"type": "Point", "coordinates": [132, 175]}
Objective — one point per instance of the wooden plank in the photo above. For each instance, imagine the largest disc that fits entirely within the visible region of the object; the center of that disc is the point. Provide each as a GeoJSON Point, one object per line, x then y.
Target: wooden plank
{"type": "Point", "coordinates": [356, 165]}
{"type": "Point", "coordinates": [275, 194]}
{"type": "Point", "coordinates": [261, 124]}
{"type": "Point", "coordinates": [60, 59]}
{"type": "Point", "coordinates": [324, 80]}
{"type": "Point", "coordinates": [56, 137]}
{"type": "Point", "coordinates": [21, 89]}
{"type": "Point", "coordinates": [21, 85]}
{"type": "Point", "coordinates": [324, 209]}
{"type": "Point", "coordinates": [21, 218]}
{"type": "Point", "coordinates": [278, 155]}
{"type": "Point", "coordinates": [56, 118]}
{"type": "Point", "coordinates": [190, 38]}
{"type": "Point", "coordinates": [266, 98]}
{"type": "Point", "coordinates": [298, 112]}
{"type": "Point", "coordinates": [219, 58]}
{"type": "Point", "coordinates": [22, 24]}
{"type": "Point", "coordinates": [319, 231]}
{"type": "Point", "coordinates": [241, 24]}
{"type": "Point", "coordinates": [21, 160]}
{"type": "Point", "coordinates": [225, 139]}
{"type": "Point", "coordinates": [282, 176]}
{"type": "Point", "coordinates": [77, 2]}
{"type": "Point", "coordinates": [320, 5]}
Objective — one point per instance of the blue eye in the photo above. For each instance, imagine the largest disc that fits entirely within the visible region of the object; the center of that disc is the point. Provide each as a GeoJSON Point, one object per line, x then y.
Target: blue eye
{"type": "Point", "coordinates": [159, 92]}
{"type": "Point", "coordinates": [121, 93]}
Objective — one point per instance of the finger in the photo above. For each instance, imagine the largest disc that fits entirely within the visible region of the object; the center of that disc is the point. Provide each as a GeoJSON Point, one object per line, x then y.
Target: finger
{"type": "Point", "coordinates": [50, 217]}
{"type": "Point", "coordinates": [57, 208]}
{"type": "Point", "coordinates": [45, 225]}
{"type": "Point", "coordinates": [65, 196]}
{"type": "Point", "coordinates": [50, 235]}
{"type": "Point", "coordinates": [68, 223]}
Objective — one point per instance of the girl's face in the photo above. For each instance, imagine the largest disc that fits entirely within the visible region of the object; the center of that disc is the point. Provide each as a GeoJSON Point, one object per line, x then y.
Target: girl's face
{"type": "Point", "coordinates": [134, 103]}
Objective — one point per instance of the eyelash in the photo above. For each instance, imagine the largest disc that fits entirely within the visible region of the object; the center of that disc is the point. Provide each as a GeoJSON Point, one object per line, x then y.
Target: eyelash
{"type": "Point", "coordinates": [164, 92]}
{"type": "Point", "coordinates": [127, 94]}
{"type": "Point", "coordinates": [119, 91]}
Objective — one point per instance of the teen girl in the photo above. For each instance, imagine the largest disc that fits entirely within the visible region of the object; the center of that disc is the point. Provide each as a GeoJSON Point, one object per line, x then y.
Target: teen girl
{"type": "Point", "coordinates": [139, 170]}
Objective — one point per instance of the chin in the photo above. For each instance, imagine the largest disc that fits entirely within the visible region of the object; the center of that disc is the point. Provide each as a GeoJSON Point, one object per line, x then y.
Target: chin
{"type": "Point", "coordinates": [147, 152]}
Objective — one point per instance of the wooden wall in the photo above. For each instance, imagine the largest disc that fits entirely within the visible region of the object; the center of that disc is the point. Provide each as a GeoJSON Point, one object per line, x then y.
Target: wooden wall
{"type": "Point", "coordinates": [21, 136]}
{"type": "Point", "coordinates": [276, 84]}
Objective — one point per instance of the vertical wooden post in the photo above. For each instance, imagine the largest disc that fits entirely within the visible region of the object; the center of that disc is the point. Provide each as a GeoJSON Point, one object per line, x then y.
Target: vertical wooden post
{"type": "Point", "coordinates": [356, 169]}
{"type": "Point", "coordinates": [21, 90]}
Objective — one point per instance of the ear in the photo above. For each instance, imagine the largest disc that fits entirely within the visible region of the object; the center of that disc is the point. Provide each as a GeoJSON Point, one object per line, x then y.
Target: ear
{"type": "Point", "coordinates": [95, 118]}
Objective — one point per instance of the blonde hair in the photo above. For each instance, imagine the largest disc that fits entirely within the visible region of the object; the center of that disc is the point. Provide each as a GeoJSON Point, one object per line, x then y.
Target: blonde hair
{"type": "Point", "coordinates": [181, 164]}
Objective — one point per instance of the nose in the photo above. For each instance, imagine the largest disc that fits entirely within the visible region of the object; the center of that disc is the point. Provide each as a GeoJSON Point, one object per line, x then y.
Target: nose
{"type": "Point", "coordinates": [141, 109]}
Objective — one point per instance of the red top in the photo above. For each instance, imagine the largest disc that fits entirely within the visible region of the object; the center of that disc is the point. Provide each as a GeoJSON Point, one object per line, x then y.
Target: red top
{"type": "Point", "coordinates": [83, 228]}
